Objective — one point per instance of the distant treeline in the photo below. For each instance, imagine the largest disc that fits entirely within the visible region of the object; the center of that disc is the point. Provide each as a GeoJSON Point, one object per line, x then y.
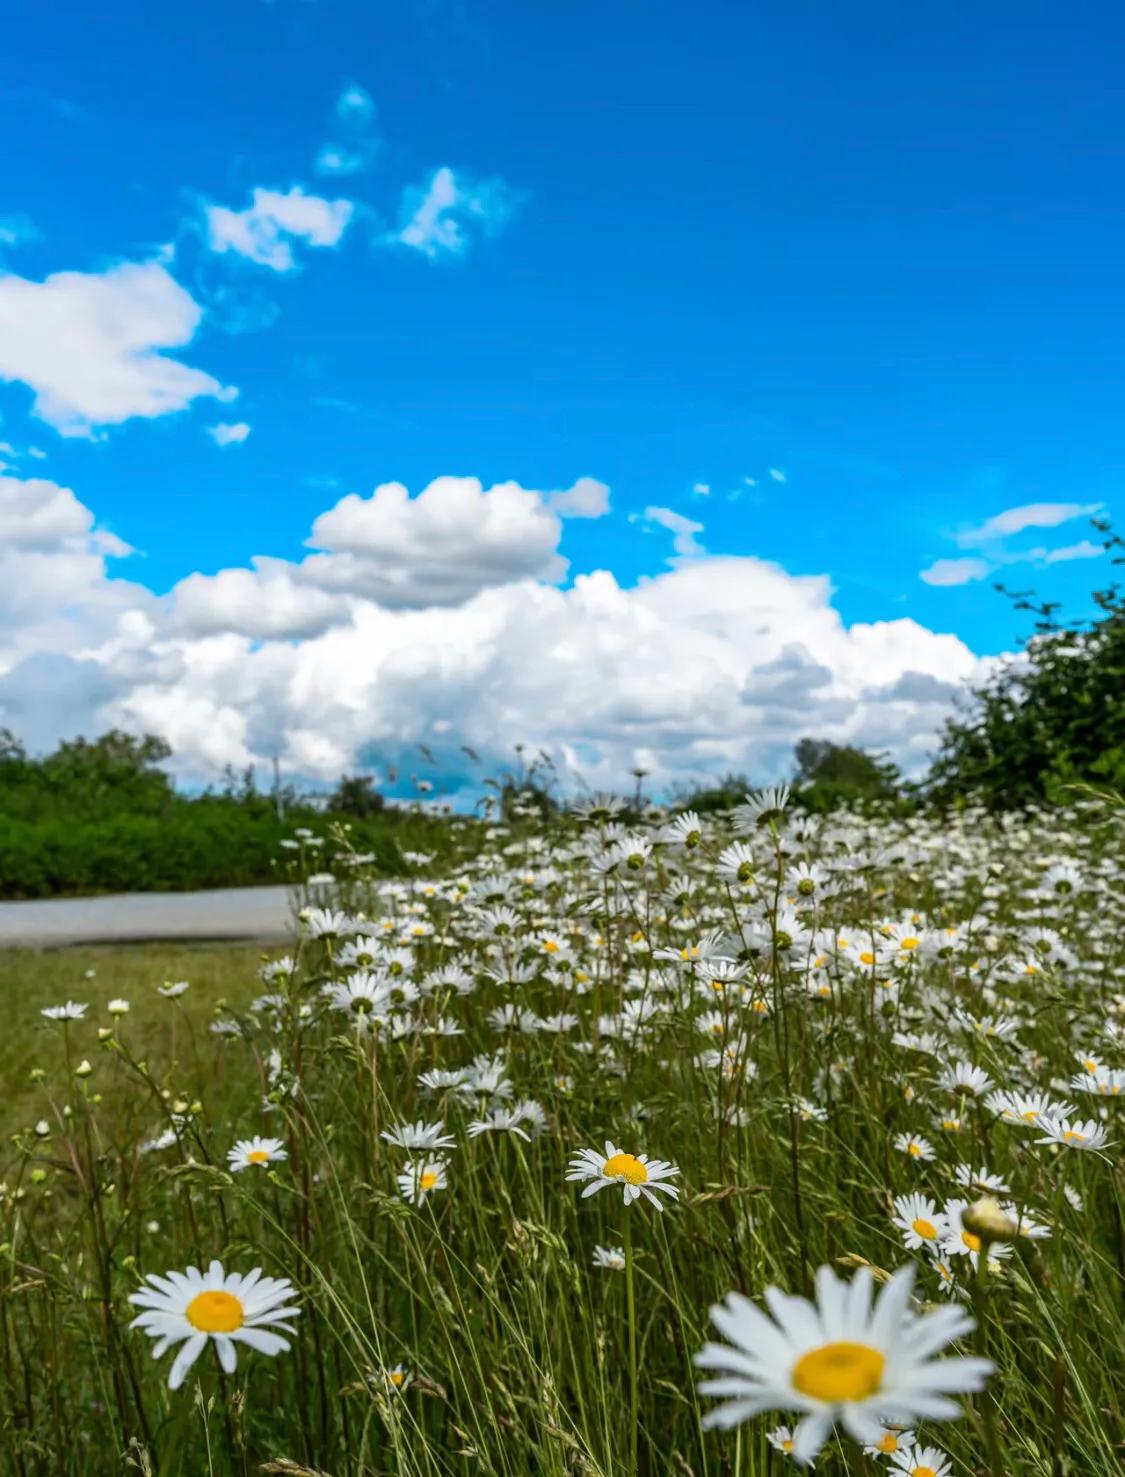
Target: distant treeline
{"type": "Point", "coordinates": [103, 816]}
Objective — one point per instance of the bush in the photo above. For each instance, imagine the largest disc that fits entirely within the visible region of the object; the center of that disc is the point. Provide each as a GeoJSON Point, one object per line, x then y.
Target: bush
{"type": "Point", "coordinates": [1051, 719]}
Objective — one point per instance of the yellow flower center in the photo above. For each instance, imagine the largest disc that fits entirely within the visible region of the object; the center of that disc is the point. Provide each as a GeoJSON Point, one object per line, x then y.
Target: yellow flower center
{"type": "Point", "coordinates": [867, 957]}
{"type": "Point", "coordinates": [396, 1376]}
{"type": "Point", "coordinates": [971, 1241]}
{"type": "Point", "coordinates": [550, 946]}
{"type": "Point", "coordinates": [625, 1167]}
{"type": "Point", "coordinates": [258, 1156]}
{"type": "Point", "coordinates": [911, 943]}
{"type": "Point", "coordinates": [1090, 1064]}
{"type": "Point", "coordinates": [215, 1312]}
{"type": "Point", "coordinates": [951, 1125]}
{"type": "Point", "coordinates": [840, 1371]}
{"type": "Point", "coordinates": [928, 1231]}
{"type": "Point", "coordinates": [923, 1472]}
{"type": "Point", "coordinates": [1071, 1136]}
{"type": "Point", "coordinates": [787, 1445]}
{"type": "Point", "coordinates": [428, 1180]}
{"type": "Point", "coordinates": [913, 1148]}
{"type": "Point", "coordinates": [887, 1443]}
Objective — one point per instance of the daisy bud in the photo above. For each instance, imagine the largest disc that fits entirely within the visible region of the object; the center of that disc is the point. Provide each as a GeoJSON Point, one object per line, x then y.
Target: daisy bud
{"type": "Point", "coordinates": [83, 1069]}
{"type": "Point", "coordinates": [104, 1033]}
{"type": "Point", "coordinates": [988, 1219]}
{"type": "Point", "coordinates": [42, 1128]}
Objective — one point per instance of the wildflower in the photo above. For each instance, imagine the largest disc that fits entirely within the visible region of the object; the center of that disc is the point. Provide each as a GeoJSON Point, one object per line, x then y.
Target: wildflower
{"type": "Point", "coordinates": [889, 1442]}
{"type": "Point", "coordinates": [839, 1359]}
{"type": "Point", "coordinates": [255, 1151]}
{"type": "Point", "coordinates": [172, 989]}
{"type": "Point", "coordinates": [635, 1173]}
{"type": "Point", "coordinates": [421, 1178]}
{"type": "Point", "coordinates": [979, 1179]}
{"type": "Point", "coordinates": [398, 1378]}
{"type": "Point", "coordinates": [922, 1224]}
{"type": "Point", "coordinates": [1072, 1133]}
{"type": "Point", "coordinates": [781, 1439]}
{"type": "Point", "coordinates": [611, 1258]}
{"type": "Point", "coordinates": [921, 1461]}
{"type": "Point", "coordinates": [419, 1135]}
{"type": "Point", "coordinates": [118, 1007]}
{"type": "Point", "coordinates": [964, 1077]}
{"type": "Point", "coordinates": [916, 1147]}
{"type": "Point", "coordinates": [71, 1011]}
{"type": "Point", "coordinates": [962, 1239]}
{"type": "Point", "coordinates": [188, 1308]}
{"type": "Point", "coordinates": [761, 809]}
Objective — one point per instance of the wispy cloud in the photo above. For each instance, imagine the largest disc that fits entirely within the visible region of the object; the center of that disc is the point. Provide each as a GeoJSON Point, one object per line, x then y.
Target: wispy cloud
{"type": "Point", "coordinates": [955, 571]}
{"type": "Point", "coordinates": [684, 530]}
{"type": "Point", "coordinates": [265, 231]}
{"type": "Point", "coordinates": [228, 433]}
{"type": "Point", "coordinates": [436, 218]}
{"type": "Point", "coordinates": [1015, 520]}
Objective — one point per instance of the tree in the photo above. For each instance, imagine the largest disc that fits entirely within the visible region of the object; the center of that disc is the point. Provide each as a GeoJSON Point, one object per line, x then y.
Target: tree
{"type": "Point", "coordinates": [355, 795]}
{"type": "Point", "coordinates": [1052, 717]}
{"type": "Point", "coordinates": [831, 774]}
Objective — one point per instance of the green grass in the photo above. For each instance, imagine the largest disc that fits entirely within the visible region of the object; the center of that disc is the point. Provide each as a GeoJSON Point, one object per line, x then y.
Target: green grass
{"type": "Point", "coordinates": [519, 1348]}
{"type": "Point", "coordinates": [31, 979]}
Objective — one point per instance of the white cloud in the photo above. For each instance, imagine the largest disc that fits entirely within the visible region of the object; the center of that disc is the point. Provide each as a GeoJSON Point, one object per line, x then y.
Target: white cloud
{"type": "Point", "coordinates": [265, 231]}
{"type": "Point", "coordinates": [1085, 549]}
{"type": "Point", "coordinates": [88, 343]}
{"type": "Point", "coordinates": [435, 217]}
{"type": "Point", "coordinates": [684, 542]}
{"type": "Point", "coordinates": [338, 159]}
{"type": "Point", "coordinates": [587, 498]}
{"type": "Point", "coordinates": [701, 489]}
{"type": "Point", "coordinates": [777, 474]}
{"type": "Point", "coordinates": [1029, 515]}
{"type": "Point", "coordinates": [15, 230]}
{"type": "Point", "coordinates": [355, 105]}
{"type": "Point", "coordinates": [228, 433]}
{"type": "Point", "coordinates": [439, 548]}
{"type": "Point", "coordinates": [718, 663]}
{"type": "Point", "coordinates": [955, 571]}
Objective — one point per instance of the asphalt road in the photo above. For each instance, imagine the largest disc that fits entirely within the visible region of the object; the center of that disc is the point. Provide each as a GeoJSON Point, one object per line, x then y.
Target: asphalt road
{"type": "Point", "coordinates": [232, 913]}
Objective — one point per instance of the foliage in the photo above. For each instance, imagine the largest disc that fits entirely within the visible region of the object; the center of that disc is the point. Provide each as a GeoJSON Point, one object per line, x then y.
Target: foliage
{"type": "Point", "coordinates": [356, 795]}
{"type": "Point", "coordinates": [102, 816]}
{"type": "Point", "coordinates": [783, 1040]}
{"type": "Point", "coordinates": [830, 775]}
{"type": "Point", "coordinates": [711, 799]}
{"type": "Point", "coordinates": [1050, 719]}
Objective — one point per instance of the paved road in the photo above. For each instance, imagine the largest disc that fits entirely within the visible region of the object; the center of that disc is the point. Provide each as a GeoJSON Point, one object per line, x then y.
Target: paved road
{"type": "Point", "coordinates": [232, 913]}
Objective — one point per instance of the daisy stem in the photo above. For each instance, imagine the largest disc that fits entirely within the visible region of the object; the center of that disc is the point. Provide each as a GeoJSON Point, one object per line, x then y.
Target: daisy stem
{"type": "Point", "coordinates": [987, 1400]}
{"type": "Point", "coordinates": [634, 1407]}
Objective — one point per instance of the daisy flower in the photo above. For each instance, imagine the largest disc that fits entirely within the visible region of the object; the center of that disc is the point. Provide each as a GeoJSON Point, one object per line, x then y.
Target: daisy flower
{"type": "Point", "coordinates": [188, 1308]}
{"type": "Point", "coordinates": [781, 1439]}
{"type": "Point", "coordinates": [609, 1258]}
{"type": "Point", "coordinates": [71, 1011]}
{"type": "Point", "coordinates": [921, 1461]}
{"type": "Point", "coordinates": [964, 1077]}
{"type": "Point", "coordinates": [916, 1147]}
{"type": "Point", "coordinates": [637, 1174]}
{"type": "Point", "coordinates": [960, 1241]}
{"type": "Point", "coordinates": [891, 1442]}
{"type": "Point", "coordinates": [255, 1151]}
{"type": "Point", "coordinates": [1072, 1133]}
{"type": "Point", "coordinates": [398, 1378]}
{"type": "Point", "coordinates": [838, 1359]}
{"type": "Point", "coordinates": [923, 1226]}
{"type": "Point", "coordinates": [419, 1135]}
{"type": "Point", "coordinates": [420, 1178]}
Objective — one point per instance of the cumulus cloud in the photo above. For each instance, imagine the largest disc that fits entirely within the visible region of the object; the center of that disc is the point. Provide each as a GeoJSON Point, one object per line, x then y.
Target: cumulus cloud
{"type": "Point", "coordinates": [1029, 515]}
{"type": "Point", "coordinates": [265, 231]}
{"type": "Point", "coordinates": [88, 345]}
{"type": "Point", "coordinates": [955, 571]}
{"type": "Point", "coordinates": [437, 217]}
{"type": "Point", "coordinates": [228, 433]}
{"type": "Point", "coordinates": [715, 664]}
{"type": "Point", "coordinates": [588, 498]}
{"type": "Point", "coordinates": [355, 105]}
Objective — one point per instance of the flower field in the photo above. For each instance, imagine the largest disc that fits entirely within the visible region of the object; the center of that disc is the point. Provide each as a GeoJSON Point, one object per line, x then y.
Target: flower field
{"type": "Point", "coordinates": [629, 1143]}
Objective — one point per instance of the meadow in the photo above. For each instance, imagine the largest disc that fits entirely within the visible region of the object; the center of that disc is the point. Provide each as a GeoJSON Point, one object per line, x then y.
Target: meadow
{"type": "Point", "coordinates": [501, 1137]}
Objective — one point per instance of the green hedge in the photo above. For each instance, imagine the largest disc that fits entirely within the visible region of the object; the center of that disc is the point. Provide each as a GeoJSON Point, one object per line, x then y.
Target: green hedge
{"type": "Point", "coordinates": [193, 845]}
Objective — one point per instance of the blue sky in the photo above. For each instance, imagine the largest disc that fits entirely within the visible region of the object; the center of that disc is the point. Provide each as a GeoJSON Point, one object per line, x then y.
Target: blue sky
{"type": "Point", "coordinates": [879, 253]}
